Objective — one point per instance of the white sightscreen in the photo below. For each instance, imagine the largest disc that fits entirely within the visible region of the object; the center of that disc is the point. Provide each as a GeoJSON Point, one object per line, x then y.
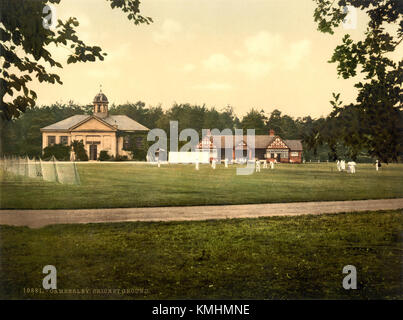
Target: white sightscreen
{"type": "Point", "coordinates": [189, 157]}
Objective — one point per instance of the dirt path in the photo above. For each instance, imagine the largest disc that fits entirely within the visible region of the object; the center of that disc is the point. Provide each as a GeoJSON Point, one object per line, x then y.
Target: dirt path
{"type": "Point", "coordinates": [40, 218]}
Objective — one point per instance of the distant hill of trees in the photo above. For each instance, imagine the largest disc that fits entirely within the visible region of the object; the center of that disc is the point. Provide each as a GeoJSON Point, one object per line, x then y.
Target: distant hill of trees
{"type": "Point", "coordinates": [22, 136]}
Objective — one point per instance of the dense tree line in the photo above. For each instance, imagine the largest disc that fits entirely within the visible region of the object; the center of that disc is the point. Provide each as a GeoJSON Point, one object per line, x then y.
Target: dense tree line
{"type": "Point", "coordinates": [22, 136]}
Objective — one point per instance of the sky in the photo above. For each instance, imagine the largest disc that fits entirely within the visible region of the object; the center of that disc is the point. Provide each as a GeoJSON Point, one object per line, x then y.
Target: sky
{"type": "Point", "coordinates": [262, 54]}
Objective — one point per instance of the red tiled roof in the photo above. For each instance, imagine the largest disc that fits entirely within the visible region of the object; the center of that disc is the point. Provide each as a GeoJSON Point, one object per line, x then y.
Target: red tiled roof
{"type": "Point", "coordinates": [261, 141]}
{"type": "Point", "coordinates": [294, 145]}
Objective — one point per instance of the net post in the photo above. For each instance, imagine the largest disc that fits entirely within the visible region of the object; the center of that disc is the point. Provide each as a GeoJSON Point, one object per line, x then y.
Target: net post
{"type": "Point", "coordinates": [55, 169]}
{"type": "Point", "coordinates": [77, 176]}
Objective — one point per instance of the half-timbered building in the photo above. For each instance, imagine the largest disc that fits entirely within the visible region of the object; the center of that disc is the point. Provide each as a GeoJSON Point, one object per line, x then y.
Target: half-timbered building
{"type": "Point", "coordinates": [271, 148]}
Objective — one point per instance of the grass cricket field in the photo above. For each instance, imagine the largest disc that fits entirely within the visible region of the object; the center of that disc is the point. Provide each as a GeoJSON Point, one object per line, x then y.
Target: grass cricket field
{"type": "Point", "coordinates": [118, 185]}
{"type": "Point", "coordinates": [266, 258]}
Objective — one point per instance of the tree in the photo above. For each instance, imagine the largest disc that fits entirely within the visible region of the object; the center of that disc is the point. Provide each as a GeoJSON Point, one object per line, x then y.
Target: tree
{"type": "Point", "coordinates": [79, 151]}
{"type": "Point", "coordinates": [255, 120]}
{"type": "Point", "coordinates": [137, 145]}
{"type": "Point", "coordinates": [274, 122]}
{"type": "Point", "coordinates": [373, 122]}
{"type": "Point", "coordinates": [25, 38]}
{"type": "Point", "coordinates": [228, 119]}
{"type": "Point", "coordinates": [138, 111]}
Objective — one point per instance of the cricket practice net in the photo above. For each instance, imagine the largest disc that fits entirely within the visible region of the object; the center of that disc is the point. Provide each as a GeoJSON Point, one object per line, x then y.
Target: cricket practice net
{"type": "Point", "coordinates": [52, 170]}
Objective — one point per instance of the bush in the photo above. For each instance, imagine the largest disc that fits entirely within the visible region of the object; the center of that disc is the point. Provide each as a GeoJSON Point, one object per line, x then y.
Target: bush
{"type": "Point", "coordinates": [139, 154]}
{"type": "Point", "coordinates": [121, 158]}
{"type": "Point", "coordinates": [60, 151]}
{"type": "Point", "coordinates": [79, 151]}
{"type": "Point", "coordinates": [104, 156]}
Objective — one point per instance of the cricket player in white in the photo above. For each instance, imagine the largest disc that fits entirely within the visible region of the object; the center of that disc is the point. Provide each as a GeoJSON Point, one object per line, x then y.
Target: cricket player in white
{"type": "Point", "coordinates": [257, 165]}
{"type": "Point", "coordinates": [158, 162]}
{"type": "Point", "coordinates": [351, 166]}
{"type": "Point", "coordinates": [226, 162]}
{"type": "Point", "coordinates": [343, 165]}
{"type": "Point", "coordinates": [213, 163]}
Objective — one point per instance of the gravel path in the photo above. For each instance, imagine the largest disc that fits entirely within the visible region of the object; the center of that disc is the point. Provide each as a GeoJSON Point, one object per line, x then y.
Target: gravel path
{"type": "Point", "coordinates": [40, 218]}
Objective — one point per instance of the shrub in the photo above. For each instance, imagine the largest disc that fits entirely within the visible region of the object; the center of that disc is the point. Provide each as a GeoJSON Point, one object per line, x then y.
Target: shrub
{"type": "Point", "coordinates": [104, 156]}
{"type": "Point", "coordinates": [139, 154]}
{"type": "Point", "coordinates": [60, 151]}
{"type": "Point", "coordinates": [121, 158]}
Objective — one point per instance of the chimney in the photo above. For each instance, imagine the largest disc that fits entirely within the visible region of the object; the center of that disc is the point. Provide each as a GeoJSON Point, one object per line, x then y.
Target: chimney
{"type": "Point", "coordinates": [271, 133]}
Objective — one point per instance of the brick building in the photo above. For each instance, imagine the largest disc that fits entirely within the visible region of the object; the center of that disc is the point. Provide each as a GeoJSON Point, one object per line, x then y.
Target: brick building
{"type": "Point", "coordinates": [269, 147]}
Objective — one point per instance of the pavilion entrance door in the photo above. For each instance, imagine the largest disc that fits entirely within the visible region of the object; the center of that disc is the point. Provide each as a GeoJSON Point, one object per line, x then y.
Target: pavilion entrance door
{"type": "Point", "coordinates": [93, 152]}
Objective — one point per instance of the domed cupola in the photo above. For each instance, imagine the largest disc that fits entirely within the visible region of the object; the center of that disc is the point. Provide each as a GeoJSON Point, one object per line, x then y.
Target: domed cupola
{"type": "Point", "coordinates": [100, 105]}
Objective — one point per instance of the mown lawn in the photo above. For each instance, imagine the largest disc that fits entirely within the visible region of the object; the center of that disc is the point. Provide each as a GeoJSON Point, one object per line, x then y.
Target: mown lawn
{"type": "Point", "coordinates": [137, 185]}
{"type": "Point", "coordinates": [266, 258]}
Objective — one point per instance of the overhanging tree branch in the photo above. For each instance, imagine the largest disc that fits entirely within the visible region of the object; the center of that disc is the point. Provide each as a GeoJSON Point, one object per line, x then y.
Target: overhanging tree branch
{"type": "Point", "coordinates": [21, 29]}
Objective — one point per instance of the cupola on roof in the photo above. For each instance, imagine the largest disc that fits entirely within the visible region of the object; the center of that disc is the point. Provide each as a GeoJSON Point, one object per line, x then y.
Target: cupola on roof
{"type": "Point", "coordinates": [100, 97]}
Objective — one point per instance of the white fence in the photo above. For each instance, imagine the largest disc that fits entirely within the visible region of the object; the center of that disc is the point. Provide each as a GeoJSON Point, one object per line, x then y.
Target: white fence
{"type": "Point", "coordinates": [53, 170]}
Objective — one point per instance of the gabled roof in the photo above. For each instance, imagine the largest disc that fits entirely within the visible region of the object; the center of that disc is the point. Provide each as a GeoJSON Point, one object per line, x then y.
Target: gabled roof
{"type": "Point", "coordinates": [277, 143]}
{"type": "Point", "coordinates": [113, 128]}
{"type": "Point", "coordinates": [121, 122]}
{"type": "Point", "coordinates": [261, 141]}
{"type": "Point", "coordinates": [294, 145]}
{"type": "Point", "coordinates": [229, 138]}
{"type": "Point", "coordinates": [125, 123]}
{"type": "Point", "coordinates": [66, 124]}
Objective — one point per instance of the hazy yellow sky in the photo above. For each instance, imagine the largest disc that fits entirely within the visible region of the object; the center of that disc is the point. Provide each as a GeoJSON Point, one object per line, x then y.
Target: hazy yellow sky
{"type": "Point", "coordinates": [246, 53]}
